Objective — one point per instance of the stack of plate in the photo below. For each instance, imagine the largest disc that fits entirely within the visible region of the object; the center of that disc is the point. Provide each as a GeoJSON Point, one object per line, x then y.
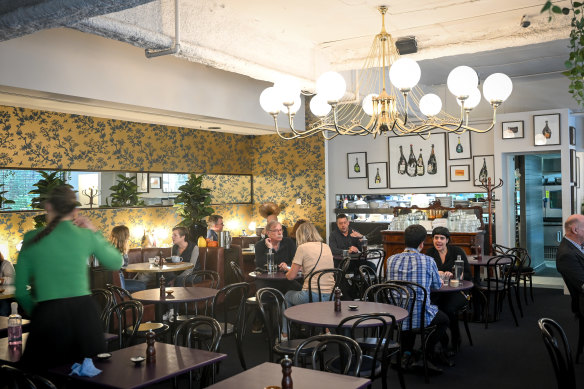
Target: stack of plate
{"type": "Point", "coordinates": [446, 201]}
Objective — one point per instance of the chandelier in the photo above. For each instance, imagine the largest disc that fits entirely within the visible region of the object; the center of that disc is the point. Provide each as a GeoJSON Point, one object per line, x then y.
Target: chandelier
{"type": "Point", "coordinates": [399, 107]}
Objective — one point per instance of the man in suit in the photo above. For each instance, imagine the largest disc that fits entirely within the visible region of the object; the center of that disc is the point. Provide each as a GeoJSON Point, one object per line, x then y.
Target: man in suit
{"type": "Point", "coordinates": [570, 259]}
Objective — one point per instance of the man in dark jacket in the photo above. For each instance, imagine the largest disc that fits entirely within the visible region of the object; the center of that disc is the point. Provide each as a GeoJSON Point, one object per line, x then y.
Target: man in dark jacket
{"type": "Point", "coordinates": [570, 259]}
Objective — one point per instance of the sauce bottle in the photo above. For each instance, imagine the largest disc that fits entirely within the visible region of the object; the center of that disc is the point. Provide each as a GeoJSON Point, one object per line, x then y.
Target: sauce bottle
{"type": "Point", "coordinates": [337, 300]}
{"type": "Point", "coordinates": [14, 327]}
{"type": "Point", "coordinates": [150, 349]}
{"type": "Point", "coordinates": [286, 373]}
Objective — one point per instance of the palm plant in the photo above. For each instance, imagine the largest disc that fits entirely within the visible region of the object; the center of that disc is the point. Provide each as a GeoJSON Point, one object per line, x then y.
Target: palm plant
{"type": "Point", "coordinates": [193, 203]}
{"type": "Point", "coordinates": [125, 192]}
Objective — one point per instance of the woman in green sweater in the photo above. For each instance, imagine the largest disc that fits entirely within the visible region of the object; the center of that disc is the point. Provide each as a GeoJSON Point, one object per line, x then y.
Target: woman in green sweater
{"type": "Point", "coordinates": [65, 325]}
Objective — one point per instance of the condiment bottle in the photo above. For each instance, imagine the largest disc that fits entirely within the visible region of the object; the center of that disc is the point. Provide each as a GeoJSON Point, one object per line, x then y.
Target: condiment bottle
{"type": "Point", "coordinates": [150, 349]}
{"type": "Point", "coordinates": [14, 327]}
{"type": "Point", "coordinates": [162, 286]}
{"type": "Point", "coordinates": [161, 258]}
{"type": "Point", "coordinates": [458, 268]}
{"type": "Point", "coordinates": [479, 253]}
{"type": "Point", "coordinates": [337, 300]}
{"type": "Point", "coordinates": [286, 373]}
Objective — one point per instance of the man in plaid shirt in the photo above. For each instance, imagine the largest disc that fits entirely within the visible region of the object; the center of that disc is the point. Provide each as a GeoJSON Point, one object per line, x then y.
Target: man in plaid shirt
{"type": "Point", "coordinates": [413, 266]}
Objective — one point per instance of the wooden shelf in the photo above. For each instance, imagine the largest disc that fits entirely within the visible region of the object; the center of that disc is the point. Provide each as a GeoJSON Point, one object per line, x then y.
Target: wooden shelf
{"type": "Point", "coordinates": [381, 211]}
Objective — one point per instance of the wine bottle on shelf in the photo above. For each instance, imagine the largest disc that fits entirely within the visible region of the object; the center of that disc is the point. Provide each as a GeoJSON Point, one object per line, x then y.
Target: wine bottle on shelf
{"type": "Point", "coordinates": [459, 148]}
{"type": "Point", "coordinates": [412, 164]}
{"type": "Point", "coordinates": [401, 166]}
{"type": "Point", "coordinates": [377, 177]}
{"type": "Point", "coordinates": [484, 173]}
{"type": "Point", "coordinates": [432, 164]}
{"type": "Point", "coordinates": [547, 132]}
{"type": "Point", "coordinates": [356, 167]}
{"type": "Point", "coordinates": [420, 169]}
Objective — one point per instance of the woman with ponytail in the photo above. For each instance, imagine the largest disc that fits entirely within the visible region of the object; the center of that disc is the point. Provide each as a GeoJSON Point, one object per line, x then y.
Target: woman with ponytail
{"type": "Point", "coordinates": [65, 325]}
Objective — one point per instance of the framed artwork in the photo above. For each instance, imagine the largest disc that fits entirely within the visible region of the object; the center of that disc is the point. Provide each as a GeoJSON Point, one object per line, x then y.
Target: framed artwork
{"type": "Point", "coordinates": [546, 129]}
{"type": "Point", "coordinates": [356, 165]}
{"type": "Point", "coordinates": [512, 130]}
{"type": "Point", "coordinates": [142, 182]}
{"type": "Point", "coordinates": [459, 146]}
{"type": "Point", "coordinates": [415, 162]}
{"type": "Point", "coordinates": [483, 168]}
{"type": "Point", "coordinates": [377, 175]}
{"type": "Point", "coordinates": [459, 173]}
{"type": "Point", "coordinates": [572, 136]}
{"type": "Point", "coordinates": [155, 182]}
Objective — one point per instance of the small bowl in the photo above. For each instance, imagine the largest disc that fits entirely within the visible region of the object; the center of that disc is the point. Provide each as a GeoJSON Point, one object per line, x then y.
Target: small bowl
{"type": "Point", "coordinates": [137, 360]}
{"type": "Point", "coordinates": [353, 307]}
{"type": "Point", "coordinates": [169, 292]}
{"type": "Point", "coordinates": [103, 356]}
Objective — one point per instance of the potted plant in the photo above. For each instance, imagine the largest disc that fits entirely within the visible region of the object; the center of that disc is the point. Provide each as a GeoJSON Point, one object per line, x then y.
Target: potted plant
{"type": "Point", "coordinates": [125, 192]}
{"type": "Point", "coordinates": [44, 186]}
{"type": "Point", "coordinates": [193, 205]}
{"type": "Point", "coordinates": [4, 200]}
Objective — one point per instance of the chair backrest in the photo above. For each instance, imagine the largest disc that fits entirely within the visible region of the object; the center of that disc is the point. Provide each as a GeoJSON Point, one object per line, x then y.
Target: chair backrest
{"type": "Point", "coordinates": [209, 278]}
{"type": "Point", "coordinates": [337, 274]}
{"type": "Point", "coordinates": [14, 377]}
{"type": "Point", "coordinates": [522, 254]}
{"type": "Point", "coordinates": [119, 294]}
{"type": "Point", "coordinates": [558, 347]}
{"type": "Point", "coordinates": [416, 303]}
{"type": "Point", "coordinates": [237, 272]}
{"type": "Point", "coordinates": [128, 316]}
{"type": "Point", "coordinates": [187, 335]}
{"type": "Point", "coordinates": [228, 304]}
{"type": "Point", "coordinates": [394, 294]}
{"type": "Point", "coordinates": [349, 352]}
{"type": "Point", "coordinates": [367, 275]}
{"type": "Point", "coordinates": [500, 249]}
{"type": "Point", "coordinates": [504, 271]}
{"type": "Point", "coordinates": [374, 255]}
{"type": "Point", "coordinates": [272, 305]}
{"type": "Point", "coordinates": [213, 258]}
{"type": "Point", "coordinates": [104, 300]}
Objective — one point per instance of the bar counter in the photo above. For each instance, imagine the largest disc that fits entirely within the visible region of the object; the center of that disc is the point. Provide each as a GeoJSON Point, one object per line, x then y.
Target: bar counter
{"type": "Point", "coordinates": [393, 241]}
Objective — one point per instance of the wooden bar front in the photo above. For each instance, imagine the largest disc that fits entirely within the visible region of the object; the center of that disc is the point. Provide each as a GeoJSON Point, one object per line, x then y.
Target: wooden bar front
{"type": "Point", "coordinates": [393, 241]}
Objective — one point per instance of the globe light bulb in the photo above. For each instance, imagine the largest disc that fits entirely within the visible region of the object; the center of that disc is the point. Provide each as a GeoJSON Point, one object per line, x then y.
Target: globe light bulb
{"type": "Point", "coordinates": [404, 73]}
{"type": "Point", "coordinates": [319, 106]}
{"type": "Point", "coordinates": [473, 99]}
{"type": "Point", "coordinates": [293, 108]}
{"type": "Point", "coordinates": [462, 80]}
{"type": "Point", "coordinates": [288, 87]}
{"type": "Point", "coordinates": [497, 87]}
{"type": "Point", "coordinates": [367, 103]}
{"type": "Point", "coordinates": [430, 104]}
{"type": "Point", "coordinates": [270, 100]}
{"type": "Point", "coordinates": [540, 140]}
{"type": "Point", "coordinates": [331, 86]}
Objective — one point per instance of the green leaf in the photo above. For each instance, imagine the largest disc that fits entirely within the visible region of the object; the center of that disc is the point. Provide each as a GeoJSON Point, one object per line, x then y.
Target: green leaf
{"type": "Point", "coordinates": [546, 6]}
{"type": "Point", "coordinates": [577, 4]}
{"type": "Point", "coordinates": [556, 9]}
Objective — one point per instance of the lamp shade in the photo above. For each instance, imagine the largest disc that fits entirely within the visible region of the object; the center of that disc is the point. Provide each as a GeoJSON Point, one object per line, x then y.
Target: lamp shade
{"type": "Point", "coordinates": [473, 99]}
{"type": "Point", "coordinates": [462, 80]}
{"type": "Point", "coordinates": [368, 103]}
{"type": "Point", "coordinates": [497, 87]}
{"type": "Point", "coordinates": [404, 73]}
{"type": "Point", "coordinates": [319, 106]}
{"type": "Point", "coordinates": [270, 100]}
{"type": "Point", "coordinates": [288, 87]}
{"type": "Point", "coordinates": [430, 104]}
{"type": "Point", "coordinates": [331, 86]}
{"type": "Point", "coordinates": [293, 108]}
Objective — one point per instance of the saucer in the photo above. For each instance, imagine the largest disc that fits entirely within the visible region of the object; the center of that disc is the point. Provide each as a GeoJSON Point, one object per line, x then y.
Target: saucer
{"type": "Point", "coordinates": [353, 307]}
{"type": "Point", "coordinates": [137, 360]}
{"type": "Point", "coordinates": [169, 292]}
{"type": "Point", "coordinates": [103, 356]}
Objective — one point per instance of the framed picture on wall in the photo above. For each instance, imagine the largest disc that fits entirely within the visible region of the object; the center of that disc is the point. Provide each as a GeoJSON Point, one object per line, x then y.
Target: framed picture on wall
{"type": "Point", "coordinates": [142, 182]}
{"type": "Point", "coordinates": [459, 173]}
{"type": "Point", "coordinates": [155, 182]}
{"type": "Point", "coordinates": [573, 166]}
{"type": "Point", "coordinates": [415, 162]}
{"type": "Point", "coordinates": [546, 129]}
{"type": "Point", "coordinates": [512, 130]}
{"type": "Point", "coordinates": [357, 165]}
{"type": "Point", "coordinates": [377, 175]}
{"type": "Point", "coordinates": [483, 168]}
{"type": "Point", "coordinates": [459, 146]}
{"type": "Point", "coordinates": [572, 136]}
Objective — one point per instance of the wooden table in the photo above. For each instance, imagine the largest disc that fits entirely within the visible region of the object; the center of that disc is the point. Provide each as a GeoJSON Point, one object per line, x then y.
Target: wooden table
{"type": "Point", "coordinates": [119, 372]}
{"type": "Point", "coordinates": [4, 326]}
{"type": "Point", "coordinates": [276, 276]}
{"type": "Point", "coordinates": [322, 314]}
{"type": "Point", "coordinates": [145, 267]}
{"type": "Point", "coordinates": [484, 261]}
{"type": "Point", "coordinates": [181, 294]}
{"type": "Point", "coordinates": [8, 292]}
{"type": "Point", "coordinates": [464, 285]}
{"type": "Point", "coordinates": [269, 373]}
{"type": "Point", "coordinates": [11, 355]}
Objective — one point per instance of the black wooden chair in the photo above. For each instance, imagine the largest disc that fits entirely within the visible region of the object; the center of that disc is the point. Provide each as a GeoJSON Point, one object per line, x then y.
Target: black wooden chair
{"type": "Point", "coordinates": [558, 348]}
{"type": "Point", "coordinates": [348, 350]}
{"type": "Point", "coordinates": [14, 378]}
{"type": "Point", "coordinates": [206, 278]}
{"type": "Point", "coordinates": [125, 319]}
{"type": "Point", "coordinates": [338, 275]}
{"type": "Point", "coordinates": [104, 300]}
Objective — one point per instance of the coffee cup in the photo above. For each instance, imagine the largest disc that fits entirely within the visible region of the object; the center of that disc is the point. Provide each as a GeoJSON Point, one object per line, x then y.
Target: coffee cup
{"type": "Point", "coordinates": [152, 260]}
{"type": "Point", "coordinates": [454, 282]}
{"type": "Point", "coordinates": [176, 259]}
{"type": "Point", "coordinates": [252, 247]}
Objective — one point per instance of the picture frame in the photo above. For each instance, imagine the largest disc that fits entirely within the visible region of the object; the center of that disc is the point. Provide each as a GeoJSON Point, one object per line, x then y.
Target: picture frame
{"type": "Point", "coordinates": [512, 130]}
{"type": "Point", "coordinates": [459, 173]}
{"type": "Point", "coordinates": [142, 182]}
{"type": "Point", "coordinates": [546, 129]}
{"type": "Point", "coordinates": [572, 136]}
{"type": "Point", "coordinates": [404, 146]}
{"type": "Point", "coordinates": [459, 146]}
{"type": "Point", "coordinates": [377, 175]}
{"type": "Point", "coordinates": [488, 161]}
{"type": "Point", "coordinates": [155, 182]}
{"type": "Point", "coordinates": [357, 165]}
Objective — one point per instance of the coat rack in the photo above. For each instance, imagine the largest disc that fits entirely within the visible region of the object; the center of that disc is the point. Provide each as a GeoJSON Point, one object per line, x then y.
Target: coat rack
{"type": "Point", "coordinates": [489, 187]}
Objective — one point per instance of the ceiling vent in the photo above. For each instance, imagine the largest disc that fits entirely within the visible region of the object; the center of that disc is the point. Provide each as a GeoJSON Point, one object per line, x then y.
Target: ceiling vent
{"type": "Point", "coordinates": [406, 45]}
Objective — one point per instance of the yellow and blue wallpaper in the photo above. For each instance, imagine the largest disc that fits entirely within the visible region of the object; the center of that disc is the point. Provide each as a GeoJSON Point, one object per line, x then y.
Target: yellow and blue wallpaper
{"type": "Point", "coordinates": [282, 171]}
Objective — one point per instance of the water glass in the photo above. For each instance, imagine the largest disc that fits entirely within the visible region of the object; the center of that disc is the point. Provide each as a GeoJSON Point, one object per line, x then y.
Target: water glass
{"type": "Point", "coordinates": [270, 262]}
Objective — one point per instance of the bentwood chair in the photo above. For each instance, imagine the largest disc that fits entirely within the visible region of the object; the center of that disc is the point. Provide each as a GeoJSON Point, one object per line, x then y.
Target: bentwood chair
{"type": "Point", "coordinates": [12, 377]}
{"type": "Point", "coordinates": [338, 275]}
{"type": "Point", "coordinates": [205, 278]}
{"type": "Point", "coordinates": [104, 300]}
{"type": "Point", "coordinates": [558, 348]}
{"type": "Point", "coordinates": [348, 350]}
{"type": "Point", "coordinates": [125, 319]}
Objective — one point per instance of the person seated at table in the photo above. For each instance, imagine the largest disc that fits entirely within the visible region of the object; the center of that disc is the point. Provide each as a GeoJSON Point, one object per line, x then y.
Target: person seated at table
{"type": "Point", "coordinates": [311, 255]}
{"type": "Point", "coordinates": [120, 238]}
{"type": "Point", "coordinates": [215, 224]}
{"type": "Point", "coordinates": [295, 228]}
{"type": "Point", "coordinates": [444, 255]}
{"type": "Point", "coordinates": [413, 266]}
{"type": "Point", "coordinates": [6, 278]}
{"type": "Point", "coordinates": [283, 248]}
{"type": "Point", "coordinates": [344, 237]}
{"type": "Point", "coordinates": [187, 250]}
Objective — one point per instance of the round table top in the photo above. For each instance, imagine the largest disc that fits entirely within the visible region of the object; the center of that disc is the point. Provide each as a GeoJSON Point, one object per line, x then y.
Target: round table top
{"type": "Point", "coordinates": [180, 294]}
{"type": "Point", "coordinates": [277, 276]}
{"type": "Point", "coordinates": [7, 291]}
{"type": "Point", "coordinates": [484, 261]}
{"type": "Point", "coordinates": [322, 314]}
{"type": "Point", "coordinates": [145, 267]}
{"type": "Point", "coordinates": [464, 285]}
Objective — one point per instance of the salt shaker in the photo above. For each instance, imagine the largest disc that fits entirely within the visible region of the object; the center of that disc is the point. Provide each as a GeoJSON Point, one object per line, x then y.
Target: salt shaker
{"type": "Point", "coordinates": [286, 373]}
{"type": "Point", "coordinates": [337, 300]}
{"type": "Point", "coordinates": [150, 350]}
{"type": "Point", "coordinates": [162, 286]}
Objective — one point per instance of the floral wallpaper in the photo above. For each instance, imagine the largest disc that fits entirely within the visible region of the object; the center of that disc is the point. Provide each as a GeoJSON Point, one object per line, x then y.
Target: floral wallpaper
{"type": "Point", "coordinates": [229, 189]}
{"type": "Point", "coordinates": [281, 171]}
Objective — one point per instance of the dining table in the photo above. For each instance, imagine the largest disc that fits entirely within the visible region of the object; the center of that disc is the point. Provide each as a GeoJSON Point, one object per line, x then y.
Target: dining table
{"type": "Point", "coordinates": [146, 267]}
{"type": "Point", "coordinates": [462, 286]}
{"type": "Point", "coordinates": [174, 295]}
{"type": "Point", "coordinates": [268, 374]}
{"type": "Point", "coordinates": [10, 354]}
{"type": "Point", "coordinates": [322, 313]}
{"type": "Point", "coordinates": [483, 262]}
{"type": "Point", "coordinates": [118, 371]}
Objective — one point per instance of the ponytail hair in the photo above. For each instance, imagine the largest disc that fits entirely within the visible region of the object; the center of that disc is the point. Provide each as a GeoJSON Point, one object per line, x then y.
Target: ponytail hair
{"type": "Point", "coordinates": [63, 200]}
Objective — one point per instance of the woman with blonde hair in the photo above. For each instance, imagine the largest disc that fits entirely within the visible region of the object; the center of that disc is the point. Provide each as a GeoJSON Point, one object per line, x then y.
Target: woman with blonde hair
{"type": "Point", "coordinates": [120, 238]}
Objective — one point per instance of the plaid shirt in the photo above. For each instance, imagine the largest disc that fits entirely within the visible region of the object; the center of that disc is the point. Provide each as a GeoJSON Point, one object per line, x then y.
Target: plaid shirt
{"type": "Point", "coordinates": [411, 265]}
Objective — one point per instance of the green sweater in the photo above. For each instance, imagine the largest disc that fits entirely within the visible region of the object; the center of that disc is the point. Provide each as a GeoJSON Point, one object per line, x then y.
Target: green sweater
{"type": "Point", "coordinates": [57, 266]}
